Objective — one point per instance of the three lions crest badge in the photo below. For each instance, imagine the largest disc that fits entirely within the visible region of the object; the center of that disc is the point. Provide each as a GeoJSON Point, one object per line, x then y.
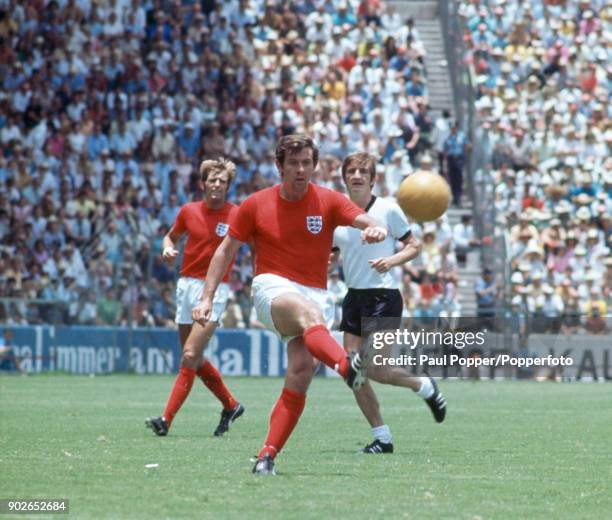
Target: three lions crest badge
{"type": "Point", "coordinates": [221, 229]}
{"type": "Point", "coordinates": [314, 224]}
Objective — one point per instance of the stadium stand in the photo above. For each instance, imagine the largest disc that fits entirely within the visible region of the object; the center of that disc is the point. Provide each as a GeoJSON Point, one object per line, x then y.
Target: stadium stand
{"type": "Point", "coordinates": [107, 109]}
{"type": "Point", "coordinates": [542, 72]}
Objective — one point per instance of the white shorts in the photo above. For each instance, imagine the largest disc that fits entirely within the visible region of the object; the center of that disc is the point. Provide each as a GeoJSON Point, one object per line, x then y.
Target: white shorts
{"type": "Point", "coordinates": [188, 293]}
{"type": "Point", "coordinates": [266, 287]}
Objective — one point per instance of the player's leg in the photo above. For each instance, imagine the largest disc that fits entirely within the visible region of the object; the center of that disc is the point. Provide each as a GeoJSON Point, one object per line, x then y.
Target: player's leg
{"type": "Point", "coordinates": [284, 309]}
{"type": "Point", "coordinates": [190, 362]}
{"type": "Point", "coordinates": [392, 375]}
{"type": "Point", "coordinates": [291, 310]}
{"type": "Point", "coordinates": [232, 409]}
{"type": "Point", "coordinates": [388, 306]}
{"type": "Point", "coordinates": [424, 387]}
{"type": "Point", "coordinates": [295, 315]}
{"type": "Point", "coordinates": [210, 375]}
{"type": "Point", "coordinates": [187, 291]}
{"type": "Point", "coordinates": [289, 406]}
{"type": "Point", "coordinates": [160, 425]}
{"type": "Point", "coordinates": [391, 308]}
{"type": "Point", "coordinates": [184, 329]}
{"type": "Point", "coordinates": [357, 303]}
{"type": "Point", "coordinates": [365, 396]}
{"type": "Point", "coordinates": [369, 406]}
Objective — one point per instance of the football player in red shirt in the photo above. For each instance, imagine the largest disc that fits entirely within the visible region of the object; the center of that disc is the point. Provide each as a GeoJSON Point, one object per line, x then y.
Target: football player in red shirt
{"type": "Point", "coordinates": [206, 224]}
{"type": "Point", "coordinates": [292, 227]}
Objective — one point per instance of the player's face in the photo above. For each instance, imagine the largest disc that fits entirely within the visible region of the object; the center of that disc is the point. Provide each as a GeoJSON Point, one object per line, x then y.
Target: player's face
{"type": "Point", "coordinates": [215, 187]}
{"type": "Point", "coordinates": [297, 170]}
{"type": "Point", "coordinates": [358, 180]}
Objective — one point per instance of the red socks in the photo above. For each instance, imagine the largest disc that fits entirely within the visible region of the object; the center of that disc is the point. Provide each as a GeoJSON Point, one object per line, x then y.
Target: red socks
{"type": "Point", "coordinates": [180, 391]}
{"type": "Point", "coordinates": [322, 346]}
{"type": "Point", "coordinates": [184, 381]}
{"type": "Point", "coordinates": [285, 415]}
{"type": "Point", "coordinates": [211, 377]}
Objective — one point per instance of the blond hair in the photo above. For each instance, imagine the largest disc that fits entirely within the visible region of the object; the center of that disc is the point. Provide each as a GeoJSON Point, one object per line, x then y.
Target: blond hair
{"type": "Point", "coordinates": [209, 166]}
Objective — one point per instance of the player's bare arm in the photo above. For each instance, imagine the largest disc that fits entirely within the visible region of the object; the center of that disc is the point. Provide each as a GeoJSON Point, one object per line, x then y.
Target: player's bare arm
{"type": "Point", "coordinates": [372, 230]}
{"type": "Point", "coordinates": [218, 265]}
{"type": "Point", "coordinates": [410, 250]}
{"type": "Point", "coordinates": [170, 252]}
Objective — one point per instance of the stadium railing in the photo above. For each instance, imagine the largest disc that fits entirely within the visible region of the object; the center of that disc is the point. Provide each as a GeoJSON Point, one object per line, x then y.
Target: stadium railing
{"type": "Point", "coordinates": [33, 311]}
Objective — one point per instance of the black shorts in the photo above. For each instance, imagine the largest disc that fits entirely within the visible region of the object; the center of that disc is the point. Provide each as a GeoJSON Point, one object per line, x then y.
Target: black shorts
{"type": "Point", "coordinates": [370, 303]}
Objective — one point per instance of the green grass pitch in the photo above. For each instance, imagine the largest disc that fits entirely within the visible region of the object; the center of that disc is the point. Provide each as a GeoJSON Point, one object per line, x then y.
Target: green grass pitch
{"type": "Point", "coordinates": [506, 450]}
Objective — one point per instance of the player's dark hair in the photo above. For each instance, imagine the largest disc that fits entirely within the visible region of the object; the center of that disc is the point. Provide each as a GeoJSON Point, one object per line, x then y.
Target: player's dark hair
{"type": "Point", "coordinates": [295, 143]}
{"type": "Point", "coordinates": [360, 159]}
{"type": "Point", "coordinates": [212, 165]}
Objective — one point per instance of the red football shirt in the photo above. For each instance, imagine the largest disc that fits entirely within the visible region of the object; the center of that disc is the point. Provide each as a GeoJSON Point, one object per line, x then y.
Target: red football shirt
{"type": "Point", "coordinates": [293, 239]}
{"type": "Point", "coordinates": [205, 230]}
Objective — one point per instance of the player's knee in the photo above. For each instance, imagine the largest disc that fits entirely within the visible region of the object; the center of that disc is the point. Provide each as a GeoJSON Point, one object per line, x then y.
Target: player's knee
{"type": "Point", "coordinates": [310, 317]}
{"type": "Point", "coordinates": [190, 359]}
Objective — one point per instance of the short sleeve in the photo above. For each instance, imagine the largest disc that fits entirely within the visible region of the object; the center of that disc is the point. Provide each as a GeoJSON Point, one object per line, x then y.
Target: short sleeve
{"type": "Point", "coordinates": [242, 221]}
{"type": "Point", "coordinates": [180, 225]}
{"type": "Point", "coordinates": [398, 223]}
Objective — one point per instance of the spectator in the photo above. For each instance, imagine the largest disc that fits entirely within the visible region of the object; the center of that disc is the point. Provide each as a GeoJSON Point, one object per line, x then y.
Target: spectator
{"type": "Point", "coordinates": [160, 271]}
{"type": "Point", "coordinates": [540, 110]}
{"type": "Point", "coordinates": [464, 238]}
{"type": "Point", "coordinates": [595, 311]}
{"type": "Point", "coordinates": [8, 359]}
{"type": "Point", "coordinates": [88, 309]}
{"type": "Point", "coordinates": [486, 293]}
{"type": "Point", "coordinates": [125, 111]}
{"type": "Point", "coordinates": [163, 308]}
{"type": "Point", "coordinates": [108, 308]}
{"type": "Point", "coordinates": [441, 132]}
{"type": "Point", "coordinates": [233, 317]}
{"type": "Point", "coordinates": [430, 257]}
{"type": "Point", "coordinates": [456, 148]}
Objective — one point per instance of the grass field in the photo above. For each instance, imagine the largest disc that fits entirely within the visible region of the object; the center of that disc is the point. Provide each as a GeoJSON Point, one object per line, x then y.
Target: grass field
{"type": "Point", "coordinates": [506, 450]}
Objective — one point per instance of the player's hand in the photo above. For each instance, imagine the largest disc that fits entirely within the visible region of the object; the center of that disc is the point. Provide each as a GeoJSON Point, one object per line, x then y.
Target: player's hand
{"type": "Point", "coordinates": [202, 312]}
{"type": "Point", "coordinates": [169, 255]}
{"type": "Point", "coordinates": [382, 265]}
{"type": "Point", "coordinates": [373, 234]}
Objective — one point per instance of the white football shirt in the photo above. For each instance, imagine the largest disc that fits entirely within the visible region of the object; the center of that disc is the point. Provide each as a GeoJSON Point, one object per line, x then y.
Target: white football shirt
{"type": "Point", "coordinates": [355, 254]}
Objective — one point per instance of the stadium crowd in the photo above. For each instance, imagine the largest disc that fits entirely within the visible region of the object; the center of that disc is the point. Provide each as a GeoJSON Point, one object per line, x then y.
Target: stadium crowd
{"type": "Point", "coordinates": [543, 73]}
{"type": "Point", "coordinates": [107, 108]}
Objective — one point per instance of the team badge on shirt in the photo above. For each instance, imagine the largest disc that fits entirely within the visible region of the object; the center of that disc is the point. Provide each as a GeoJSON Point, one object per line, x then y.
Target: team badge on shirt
{"type": "Point", "coordinates": [314, 224]}
{"type": "Point", "coordinates": [221, 229]}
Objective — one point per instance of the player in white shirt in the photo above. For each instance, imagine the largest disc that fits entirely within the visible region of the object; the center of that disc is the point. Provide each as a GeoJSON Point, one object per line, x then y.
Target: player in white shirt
{"type": "Point", "coordinates": [374, 292]}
